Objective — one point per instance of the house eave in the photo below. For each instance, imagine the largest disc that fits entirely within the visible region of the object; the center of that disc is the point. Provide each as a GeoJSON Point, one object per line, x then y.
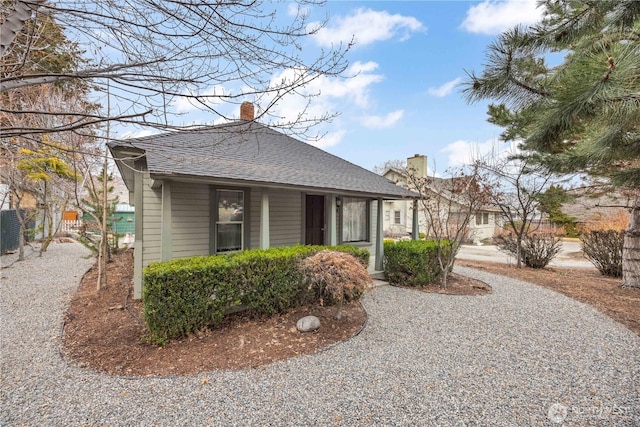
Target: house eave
{"type": "Point", "coordinates": [125, 159]}
{"type": "Point", "coordinates": [261, 184]}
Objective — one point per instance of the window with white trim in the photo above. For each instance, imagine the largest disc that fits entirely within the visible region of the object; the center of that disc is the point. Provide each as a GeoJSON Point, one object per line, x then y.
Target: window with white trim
{"type": "Point", "coordinates": [482, 218]}
{"type": "Point", "coordinates": [355, 219]}
{"type": "Point", "coordinates": [397, 217]}
{"type": "Point", "coordinates": [230, 220]}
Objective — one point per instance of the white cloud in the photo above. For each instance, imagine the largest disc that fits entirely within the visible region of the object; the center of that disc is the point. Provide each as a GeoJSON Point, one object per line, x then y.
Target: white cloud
{"type": "Point", "coordinates": [324, 93]}
{"type": "Point", "coordinates": [445, 89]}
{"type": "Point", "coordinates": [493, 17]}
{"type": "Point", "coordinates": [138, 134]}
{"type": "Point", "coordinates": [330, 139]}
{"type": "Point", "coordinates": [211, 96]}
{"type": "Point", "coordinates": [367, 26]}
{"type": "Point", "coordinates": [382, 122]}
{"type": "Point", "coordinates": [465, 152]}
{"type": "Point", "coordinates": [295, 9]}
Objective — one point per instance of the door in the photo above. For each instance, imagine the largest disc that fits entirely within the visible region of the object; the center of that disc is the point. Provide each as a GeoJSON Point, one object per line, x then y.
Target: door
{"type": "Point", "coordinates": [314, 223]}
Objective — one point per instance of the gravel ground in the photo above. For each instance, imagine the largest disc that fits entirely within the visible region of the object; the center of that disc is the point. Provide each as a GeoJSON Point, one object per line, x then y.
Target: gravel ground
{"type": "Point", "coordinates": [521, 356]}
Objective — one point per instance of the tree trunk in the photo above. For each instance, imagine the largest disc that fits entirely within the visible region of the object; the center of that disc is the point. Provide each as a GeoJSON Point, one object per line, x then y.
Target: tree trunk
{"type": "Point", "coordinates": [45, 217]}
{"type": "Point", "coordinates": [102, 251]}
{"type": "Point", "coordinates": [631, 251]}
{"type": "Point", "coordinates": [519, 251]}
{"type": "Point", "coordinates": [22, 222]}
{"type": "Point", "coordinates": [49, 225]}
{"type": "Point", "coordinates": [445, 277]}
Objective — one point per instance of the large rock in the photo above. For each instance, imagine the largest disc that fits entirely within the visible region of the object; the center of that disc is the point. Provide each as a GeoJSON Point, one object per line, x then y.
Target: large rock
{"type": "Point", "coordinates": [308, 324]}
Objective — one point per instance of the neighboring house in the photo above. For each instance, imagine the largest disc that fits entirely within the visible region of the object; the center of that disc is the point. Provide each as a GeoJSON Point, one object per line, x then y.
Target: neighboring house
{"type": "Point", "coordinates": [597, 207]}
{"type": "Point", "coordinates": [398, 214]}
{"type": "Point", "coordinates": [243, 185]}
{"type": "Point", "coordinates": [120, 221]}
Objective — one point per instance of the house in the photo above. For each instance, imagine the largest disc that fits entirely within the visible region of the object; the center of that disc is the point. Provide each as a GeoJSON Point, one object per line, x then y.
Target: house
{"type": "Point", "coordinates": [243, 185]}
{"type": "Point", "coordinates": [399, 214]}
{"type": "Point", "coordinates": [592, 207]}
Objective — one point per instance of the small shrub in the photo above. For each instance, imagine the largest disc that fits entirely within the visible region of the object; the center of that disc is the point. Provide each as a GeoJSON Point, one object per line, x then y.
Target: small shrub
{"type": "Point", "coordinates": [604, 249]}
{"type": "Point", "coordinates": [536, 249]}
{"type": "Point", "coordinates": [411, 263]}
{"type": "Point", "coordinates": [338, 276]}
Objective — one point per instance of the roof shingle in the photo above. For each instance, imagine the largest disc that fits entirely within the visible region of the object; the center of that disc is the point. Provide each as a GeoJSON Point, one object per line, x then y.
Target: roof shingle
{"type": "Point", "coordinates": [249, 151]}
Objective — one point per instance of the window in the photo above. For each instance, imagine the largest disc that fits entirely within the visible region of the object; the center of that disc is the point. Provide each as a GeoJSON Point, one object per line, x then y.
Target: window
{"type": "Point", "coordinates": [482, 218]}
{"type": "Point", "coordinates": [230, 220]}
{"type": "Point", "coordinates": [397, 217]}
{"type": "Point", "coordinates": [355, 219]}
{"type": "Point", "coordinates": [387, 216]}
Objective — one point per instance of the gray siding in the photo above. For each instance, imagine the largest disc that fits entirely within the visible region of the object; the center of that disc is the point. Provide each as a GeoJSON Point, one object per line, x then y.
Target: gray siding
{"type": "Point", "coordinates": [255, 200]}
{"type": "Point", "coordinates": [190, 219]}
{"type": "Point", "coordinates": [151, 221]}
{"type": "Point", "coordinates": [285, 218]}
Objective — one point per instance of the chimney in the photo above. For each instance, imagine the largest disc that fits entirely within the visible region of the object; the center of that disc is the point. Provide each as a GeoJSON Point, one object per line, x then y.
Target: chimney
{"type": "Point", "coordinates": [417, 165]}
{"type": "Point", "coordinates": [246, 111]}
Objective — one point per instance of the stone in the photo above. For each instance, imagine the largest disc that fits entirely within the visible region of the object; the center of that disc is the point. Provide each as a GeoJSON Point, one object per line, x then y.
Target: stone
{"type": "Point", "coordinates": [308, 324]}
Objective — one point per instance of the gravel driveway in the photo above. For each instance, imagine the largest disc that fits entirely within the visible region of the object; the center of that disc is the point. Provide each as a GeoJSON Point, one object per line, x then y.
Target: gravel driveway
{"type": "Point", "coordinates": [522, 355]}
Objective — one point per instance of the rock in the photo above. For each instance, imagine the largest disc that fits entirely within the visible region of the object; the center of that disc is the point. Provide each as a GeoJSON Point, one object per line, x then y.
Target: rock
{"type": "Point", "coordinates": [308, 324]}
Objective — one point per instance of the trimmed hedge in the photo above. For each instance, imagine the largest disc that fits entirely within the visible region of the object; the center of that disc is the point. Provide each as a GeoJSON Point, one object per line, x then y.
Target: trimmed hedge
{"type": "Point", "coordinates": [184, 295]}
{"type": "Point", "coordinates": [412, 262]}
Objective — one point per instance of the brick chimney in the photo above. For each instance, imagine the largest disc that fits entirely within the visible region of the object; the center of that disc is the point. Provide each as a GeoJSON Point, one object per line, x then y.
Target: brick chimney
{"type": "Point", "coordinates": [417, 165]}
{"type": "Point", "coordinates": [246, 111]}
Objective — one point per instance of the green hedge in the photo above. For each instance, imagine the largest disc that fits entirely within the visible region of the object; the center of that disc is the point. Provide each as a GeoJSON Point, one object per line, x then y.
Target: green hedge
{"type": "Point", "coordinates": [184, 295]}
{"type": "Point", "coordinates": [412, 263]}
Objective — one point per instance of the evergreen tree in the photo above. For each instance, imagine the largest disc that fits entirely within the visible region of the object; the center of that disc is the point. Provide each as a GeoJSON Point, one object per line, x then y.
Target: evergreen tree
{"type": "Point", "coordinates": [582, 115]}
{"type": "Point", "coordinates": [551, 201]}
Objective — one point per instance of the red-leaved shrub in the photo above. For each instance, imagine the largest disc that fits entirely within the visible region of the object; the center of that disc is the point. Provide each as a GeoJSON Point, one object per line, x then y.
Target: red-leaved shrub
{"type": "Point", "coordinates": [337, 277]}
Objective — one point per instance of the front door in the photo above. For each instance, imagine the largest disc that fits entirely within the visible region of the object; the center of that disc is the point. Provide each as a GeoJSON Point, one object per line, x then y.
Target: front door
{"type": "Point", "coordinates": [314, 233]}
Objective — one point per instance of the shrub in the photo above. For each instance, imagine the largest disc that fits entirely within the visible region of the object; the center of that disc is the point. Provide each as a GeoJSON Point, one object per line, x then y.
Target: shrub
{"type": "Point", "coordinates": [536, 249]}
{"type": "Point", "coordinates": [183, 295]}
{"type": "Point", "coordinates": [411, 263]}
{"type": "Point", "coordinates": [604, 249]}
{"type": "Point", "coordinates": [337, 276]}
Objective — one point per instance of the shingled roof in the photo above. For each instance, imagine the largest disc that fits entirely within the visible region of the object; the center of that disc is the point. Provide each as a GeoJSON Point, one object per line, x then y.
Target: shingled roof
{"type": "Point", "coordinates": [251, 153]}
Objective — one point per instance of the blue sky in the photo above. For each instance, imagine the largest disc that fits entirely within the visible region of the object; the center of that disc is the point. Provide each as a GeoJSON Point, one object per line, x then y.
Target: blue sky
{"type": "Point", "coordinates": [408, 59]}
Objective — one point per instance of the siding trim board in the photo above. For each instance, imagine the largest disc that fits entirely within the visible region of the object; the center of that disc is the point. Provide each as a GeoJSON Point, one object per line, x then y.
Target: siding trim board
{"type": "Point", "coordinates": [166, 223]}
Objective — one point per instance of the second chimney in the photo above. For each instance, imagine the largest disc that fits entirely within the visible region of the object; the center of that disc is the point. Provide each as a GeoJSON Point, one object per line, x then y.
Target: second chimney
{"type": "Point", "coordinates": [246, 111]}
{"type": "Point", "coordinates": [417, 165]}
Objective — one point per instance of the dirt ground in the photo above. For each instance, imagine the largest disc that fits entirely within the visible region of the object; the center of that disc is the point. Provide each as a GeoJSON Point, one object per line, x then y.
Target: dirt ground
{"type": "Point", "coordinates": [104, 330]}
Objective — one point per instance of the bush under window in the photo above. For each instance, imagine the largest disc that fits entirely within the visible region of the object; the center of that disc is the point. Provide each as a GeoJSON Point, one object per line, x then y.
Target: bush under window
{"type": "Point", "coordinates": [183, 295]}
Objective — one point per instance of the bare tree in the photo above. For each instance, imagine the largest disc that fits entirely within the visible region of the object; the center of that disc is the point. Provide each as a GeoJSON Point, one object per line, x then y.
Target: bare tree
{"type": "Point", "coordinates": [154, 52]}
{"type": "Point", "coordinates": [515, 185]}
{"type": "Point", "coordinates": [397, 164]}
{"type": "Point", "coordinates": [448, 204]}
